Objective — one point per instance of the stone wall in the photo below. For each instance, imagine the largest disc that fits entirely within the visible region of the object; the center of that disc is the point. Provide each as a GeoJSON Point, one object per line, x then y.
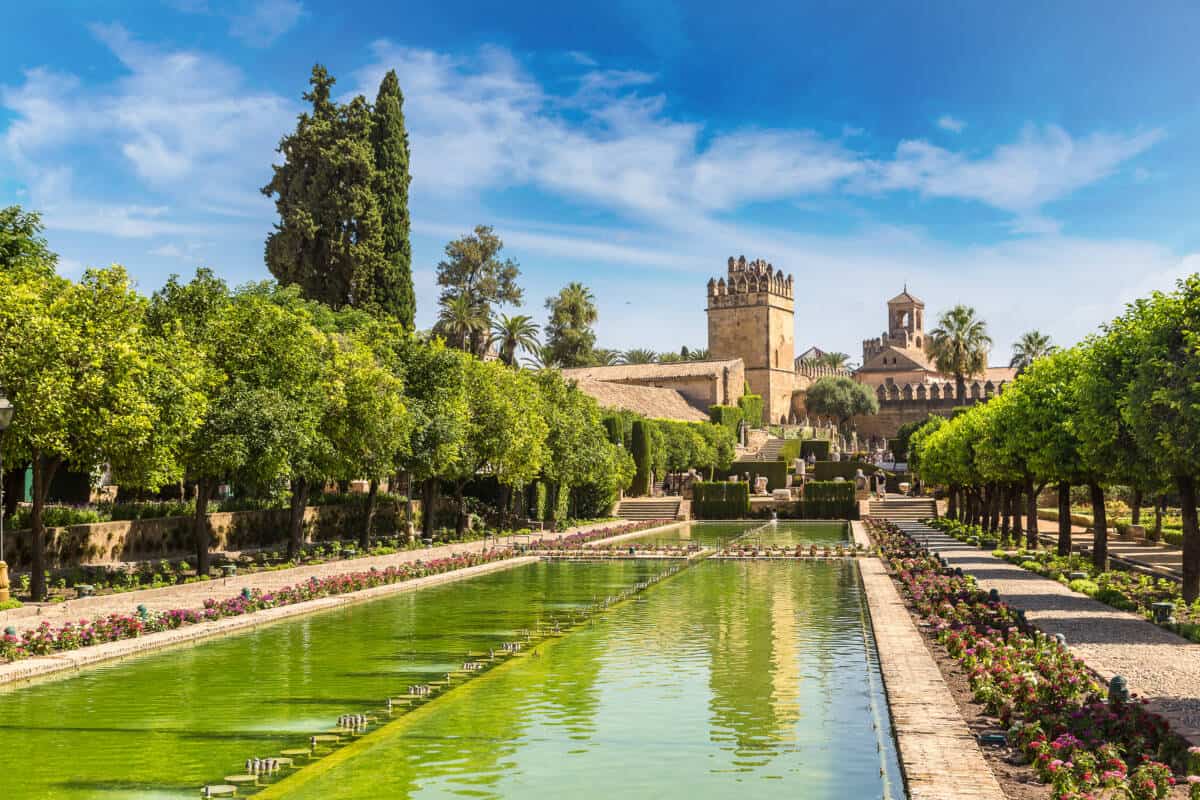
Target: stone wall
{"type": "Point", "coordinates": [171, 537]}
{"type": "Point", "coordinates": [751, 317]}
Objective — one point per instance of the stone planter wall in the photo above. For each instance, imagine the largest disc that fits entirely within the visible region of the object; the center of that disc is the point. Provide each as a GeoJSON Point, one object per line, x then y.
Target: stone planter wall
{"type": "Point", "coordinates": [171, 537]}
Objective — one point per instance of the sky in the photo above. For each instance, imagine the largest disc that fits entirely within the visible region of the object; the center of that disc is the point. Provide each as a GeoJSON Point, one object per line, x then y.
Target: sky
{"type": "Point", "coordinates": [1035, 161]}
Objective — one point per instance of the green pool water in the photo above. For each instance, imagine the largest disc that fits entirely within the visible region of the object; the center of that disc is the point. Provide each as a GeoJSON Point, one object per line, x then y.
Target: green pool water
{"type": "Point", "coordinates": [780, 533]}
{"type": "Point", "coordinates": [749, 677]}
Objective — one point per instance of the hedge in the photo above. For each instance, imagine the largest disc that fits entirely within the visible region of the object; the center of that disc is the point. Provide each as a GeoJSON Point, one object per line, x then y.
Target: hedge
{"type": "Point", "coordinates": [752, 409]}
{"type": "Point", "coordinates": [726, 416]}
{"type": "Point", "coordinates": [818, 447]}
{"type": "Point", "coordinates": [791, 450]}
{"type": "Point", "coordinates": [640, 450]}
{"type": "Point", "coordinates": [828, 470]}
{"type": "Point", "coordinates": [828, 500]}
{"type": "Point", "coordinates": [720, 500]}
{"type": "Point", "coordinates": [776, 472]}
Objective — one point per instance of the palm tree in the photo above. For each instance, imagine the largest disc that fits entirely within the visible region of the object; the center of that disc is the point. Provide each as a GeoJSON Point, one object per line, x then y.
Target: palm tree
{"type": "Point", "coordinates": [670, 358]}
{"type": "Point", "coordinates": [1029, 348]}
{"type": "Point", "coordinates": [460, 320]}
{"type": "Point", "coordinates": [510, 334]}
{"type": "Point", "coordinates": [605, 357]}
{"type": "Point", "coordinates": [639, 355]}
{"type": "Point", "coordinates": [541, 356]}
{"type": "Point", "coordinates": [834, 360]}
{"type": "Point", "coordinates": [698, 354]}
{"type": "Point", "coordinates": [959, 346]}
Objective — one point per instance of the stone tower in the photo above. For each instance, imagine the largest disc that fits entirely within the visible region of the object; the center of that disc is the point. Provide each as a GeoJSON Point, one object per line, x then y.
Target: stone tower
{"type": "Point", "coordinates": [751, 317]}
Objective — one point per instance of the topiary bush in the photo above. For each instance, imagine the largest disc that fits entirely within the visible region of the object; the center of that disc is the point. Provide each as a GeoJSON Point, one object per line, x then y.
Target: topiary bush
{"type": "Point", "coordinates": [726, 416]}
{"type": "Point", "coordinates": [640, 450]}
{"type": "Point", "coordinates": [720, 500]}
{"type": "Point", "coordinates": [751, 406]}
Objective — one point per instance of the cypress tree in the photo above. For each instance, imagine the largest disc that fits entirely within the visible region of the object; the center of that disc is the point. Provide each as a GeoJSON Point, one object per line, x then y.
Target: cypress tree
{"type": "Point", "coordinates": [394, 293]}
{"type": "Point", "coordinates": [640, 451]}
{"type": "Point", "coordinates": [328, 240]}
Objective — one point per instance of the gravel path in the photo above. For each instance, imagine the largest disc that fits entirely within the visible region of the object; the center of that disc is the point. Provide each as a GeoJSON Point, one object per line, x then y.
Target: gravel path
{"type": "Point", "coordinates": [192, 595]}
{"type": "Point", "coordinates": [1159, 665]}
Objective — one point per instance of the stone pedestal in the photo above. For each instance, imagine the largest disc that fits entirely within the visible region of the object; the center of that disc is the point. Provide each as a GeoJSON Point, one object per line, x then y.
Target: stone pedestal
{"type": "Point", "coordinates": [4, 593]}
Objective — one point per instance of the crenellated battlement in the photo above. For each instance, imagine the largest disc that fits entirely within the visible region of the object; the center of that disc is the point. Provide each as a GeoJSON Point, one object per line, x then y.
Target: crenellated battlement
{"type": "Point", "coordinates": [751, 277]}
{"type": "Point", "coordinates": [937, 391]}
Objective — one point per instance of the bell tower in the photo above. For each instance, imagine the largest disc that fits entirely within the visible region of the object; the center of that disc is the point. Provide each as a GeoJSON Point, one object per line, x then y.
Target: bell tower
{"type": "Point", "coordinates": [751, 316]}
{"type": "Point", "coordinates": [906, 323]}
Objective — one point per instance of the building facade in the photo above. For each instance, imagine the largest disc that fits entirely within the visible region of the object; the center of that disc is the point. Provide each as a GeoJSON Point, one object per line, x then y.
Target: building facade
{"type": "Point", "coordinates": [751, 317]}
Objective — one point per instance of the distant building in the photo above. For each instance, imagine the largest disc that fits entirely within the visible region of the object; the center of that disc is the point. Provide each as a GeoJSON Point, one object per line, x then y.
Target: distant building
{"type": "Point", "coordinates": [751, 329]}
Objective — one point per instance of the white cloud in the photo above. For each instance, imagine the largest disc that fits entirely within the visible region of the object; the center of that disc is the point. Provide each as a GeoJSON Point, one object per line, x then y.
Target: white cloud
{"type": "Point", "coordinates": [952, 124]}
{"type": "Point", "coordinates": [1045, 164]}
{"type": "Point", "coordinates": [183, 123]}
{"type": "Point", "coordinates": [483, 121]}
{"type": "Point", "coordinates": [265, 21]}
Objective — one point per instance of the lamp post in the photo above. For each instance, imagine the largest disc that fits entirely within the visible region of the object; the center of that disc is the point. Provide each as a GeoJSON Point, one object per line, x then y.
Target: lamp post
{"type": "Point", "coordinates": [6, 415]}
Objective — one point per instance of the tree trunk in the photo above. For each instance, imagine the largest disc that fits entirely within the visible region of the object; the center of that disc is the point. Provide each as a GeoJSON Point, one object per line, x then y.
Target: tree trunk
{"type": "Point", "coordinates": [364, 538]}
{"type": "Point", "coordinates": [952, 502]}
{"type": "Point", "coordinates": [43, 473]}
{"type": "Point", "coordinates": [1191, 537]}
{"type": "Point", "coordinates": [1135, 510]}
{"type": "Point", "coordinates": [996, 507]}
{"type": "Point", "coordinates": [1099, 528]}
{"type": "Point", "coordinates": [1031, 529]}
{"type": "Point", "coordinates": [960, 388]}
{"type": "Point", "coordinates": [1006, 503]}
{"type": "Point", "coordinates": [428, 499]}
{"type": "Point", "coordinates": [1018, 529]}
{"type": "Point", "coordinates": [505, 501]}
{"type": "Point", "coordinates": [296, 517]}
{"type": "Point", "coordinates": [200, 532]}
{"type": "Point", "coordinates": [1064, 518]}
{"type": "Point", "coordinates": [404, 482]}
{"type": "Point", "coordinates": [460, 525]}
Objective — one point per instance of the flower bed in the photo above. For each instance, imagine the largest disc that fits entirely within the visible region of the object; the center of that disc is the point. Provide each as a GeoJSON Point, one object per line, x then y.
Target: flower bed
{"type": "Point", "coordinates": [1082, 745]}
{"type": "Point", "coordinates": [1121, 589]}
{"type": "Point", "coordinates": [47, 638]}
{"type": "Point", "coordinates": [577, 539]}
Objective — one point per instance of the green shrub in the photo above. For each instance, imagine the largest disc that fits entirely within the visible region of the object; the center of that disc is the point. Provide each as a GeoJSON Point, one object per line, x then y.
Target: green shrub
{"type": "Point", "coordinates": [819, 448]}
{"type": "Point", "coordinates": [720, 500]}
{"type": "Point", "coordinates": [829, 500]}
{"type": "Point", "coordinates": [726, 416]}
{"type": "Point", "coordinates": [775, 471]}
{"type": "Point", "coordinates": [1084, 586]}
{"type": "Point", "coordinates": [1032, 566]}
{"type": "Point", "coordinates": [1115, 598]}
{"type": "Point", "coordinates": [640, 450]}
{"type": "Point", "coordinates": [57, 517]}
{"type": "Point", "coordinates": [752, 409]}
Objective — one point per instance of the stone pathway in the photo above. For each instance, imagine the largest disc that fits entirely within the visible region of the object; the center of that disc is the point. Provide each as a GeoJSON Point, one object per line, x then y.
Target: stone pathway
{"type": "Point", "coordinates": [1164, 559]}
{"type": "Point", "coordinates": [1158, 665]}
{"type": "Point", "coordinates": [192, 595]}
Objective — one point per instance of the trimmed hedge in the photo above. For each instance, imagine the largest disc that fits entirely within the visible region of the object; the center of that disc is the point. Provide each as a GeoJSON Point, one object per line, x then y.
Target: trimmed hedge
{"type": "Point", "coordinates": [790, 451]}
{"type": "Point", "coordinates": [726, 416]}
{"type": "Point", "coordinates": [640, 450]}
{"type": "Point", "coordinates": [752, 409]}
{"type": "Point", "coordinates": [828, 470]}
{"type": "Point", "coordinates": [720, 500]}
{"type": "Point", "coordinates": [776, 471]}
{"type": "Point", "coordinates": [828, 500]}
{"type": "Point", "coordinates": [818, 447]}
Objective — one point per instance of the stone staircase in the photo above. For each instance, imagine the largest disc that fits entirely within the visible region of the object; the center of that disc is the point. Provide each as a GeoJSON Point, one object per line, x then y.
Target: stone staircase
{"type": "Point", "coordinates": [770, 451]}
{"type": "Point", "coordinates": [904, 509]}
{"type": "Point", "coordinates": [643, 508]}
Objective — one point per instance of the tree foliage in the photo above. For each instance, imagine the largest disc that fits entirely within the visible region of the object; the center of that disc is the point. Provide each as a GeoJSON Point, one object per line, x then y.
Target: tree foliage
{"type": "Point", "coordinates": [840, 397]}
{"type": "Point", "coordinates": [569, 334]}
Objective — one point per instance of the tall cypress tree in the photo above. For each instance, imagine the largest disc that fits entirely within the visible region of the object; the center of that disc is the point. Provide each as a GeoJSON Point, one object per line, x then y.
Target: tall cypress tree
{"type": "Point", "coordinates": [329, 238]}
{"type": "Point", "coordinates": [394, 289]}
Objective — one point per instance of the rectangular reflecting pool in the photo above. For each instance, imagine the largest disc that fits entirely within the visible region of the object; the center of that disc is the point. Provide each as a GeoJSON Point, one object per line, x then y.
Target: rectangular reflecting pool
{"type": "Point", "coordinates": [717, 534]}
{"type": "Point", "coordinates": [736, 676]}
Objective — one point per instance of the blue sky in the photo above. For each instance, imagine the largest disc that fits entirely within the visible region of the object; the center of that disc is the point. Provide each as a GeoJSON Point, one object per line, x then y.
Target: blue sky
{"type": "Point", "coordinates": [1037, 163]}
